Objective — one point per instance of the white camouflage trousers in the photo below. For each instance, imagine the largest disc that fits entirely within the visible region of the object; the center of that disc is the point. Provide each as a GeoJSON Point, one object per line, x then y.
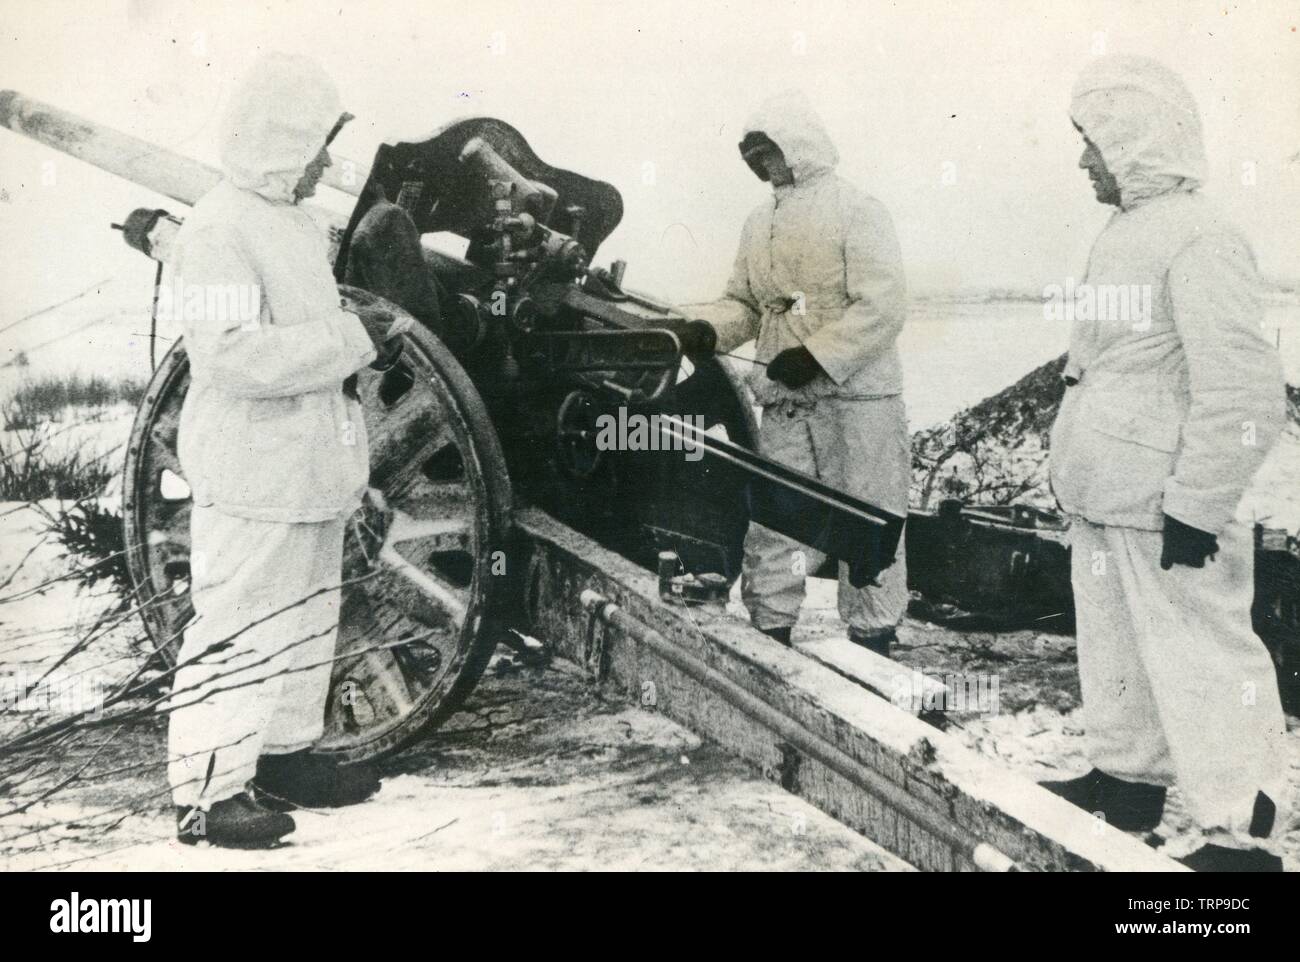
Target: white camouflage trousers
{"type": "Point", "coordinates": [270, 592]}
{"type": "Point", "coordinates": [1177, 688]}
{"type": "Point", "coordinates": [859, 447]}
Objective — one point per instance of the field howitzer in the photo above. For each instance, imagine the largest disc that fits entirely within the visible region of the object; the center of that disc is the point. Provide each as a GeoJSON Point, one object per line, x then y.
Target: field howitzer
{"type": "Point", "coordinates": [521, 351]}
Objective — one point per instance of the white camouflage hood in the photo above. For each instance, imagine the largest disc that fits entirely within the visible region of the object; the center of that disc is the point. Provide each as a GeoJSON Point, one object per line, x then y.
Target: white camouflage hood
{"type": "Point", "coordinates": [1144, 122]}
{"type": "Point", "coordinates": [277, 120]}
{"type": "Point", "coordinates": [789, 120]}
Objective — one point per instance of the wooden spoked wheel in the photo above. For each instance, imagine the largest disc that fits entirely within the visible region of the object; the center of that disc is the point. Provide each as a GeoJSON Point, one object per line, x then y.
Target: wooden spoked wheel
{"type": "Point", "coordinates": [424, 565]}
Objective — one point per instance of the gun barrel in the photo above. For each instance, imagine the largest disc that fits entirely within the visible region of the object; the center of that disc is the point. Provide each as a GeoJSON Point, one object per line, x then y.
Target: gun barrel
{"type": "Point", "coordinates": [163, 171]}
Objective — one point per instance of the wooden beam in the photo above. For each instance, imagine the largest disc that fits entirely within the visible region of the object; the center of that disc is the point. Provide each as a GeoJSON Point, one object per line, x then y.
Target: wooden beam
{"type": "Point", "coordinates": [876, 673]}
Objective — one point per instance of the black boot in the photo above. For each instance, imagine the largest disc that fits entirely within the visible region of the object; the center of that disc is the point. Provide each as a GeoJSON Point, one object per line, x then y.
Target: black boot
{"type": "Point", "coordinates": [1217, 858]}
{"type": "Point", "coordinates": [1128, 806]}
{"type": "Point", "coordinates": [237, 822]}
{"type": "Point", "coordinates": [878, 640]}
{"type": "Point", "coordinates": [306, 780]}
{"type": "Point", "coordinates": [780, 634]}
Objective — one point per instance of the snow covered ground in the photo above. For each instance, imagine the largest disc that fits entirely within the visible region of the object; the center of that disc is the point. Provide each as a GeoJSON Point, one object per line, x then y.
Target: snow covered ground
{"type": "Point", "coordinates": [540, 771]}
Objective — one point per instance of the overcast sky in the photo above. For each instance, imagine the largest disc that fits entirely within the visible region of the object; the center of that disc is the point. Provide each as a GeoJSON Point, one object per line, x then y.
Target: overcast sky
{"type": "Point", "coordinates": [651, 96]}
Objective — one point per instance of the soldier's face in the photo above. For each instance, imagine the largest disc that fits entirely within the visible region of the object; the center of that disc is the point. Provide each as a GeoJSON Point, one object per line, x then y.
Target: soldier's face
{"type": "Point", "coordinates": [1104, 184]}
{"type": "Point", "coordinates": [778, 171]}
{"type": "Point", "coordinates": [312, 175]}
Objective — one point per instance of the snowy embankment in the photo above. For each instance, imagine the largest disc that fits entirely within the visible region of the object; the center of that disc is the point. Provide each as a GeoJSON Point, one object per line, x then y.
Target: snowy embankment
{"type": "Point", "coordinates": [996, 452]}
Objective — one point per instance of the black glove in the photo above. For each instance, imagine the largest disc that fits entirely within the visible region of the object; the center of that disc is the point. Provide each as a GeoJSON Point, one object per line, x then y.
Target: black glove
{"type": "Point", "coordinates": [389, 352]}
{"type": "Point", "coordinates": [794, 367]}
{"type": "Point", "coordinates": [1185, 545]}
{"type": "Point", "coordinates": [697, 337]}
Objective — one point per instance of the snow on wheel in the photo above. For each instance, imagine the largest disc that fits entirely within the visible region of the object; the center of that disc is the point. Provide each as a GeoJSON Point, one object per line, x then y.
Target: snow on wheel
{"type": "Point", "coordinates": [422, 577]}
